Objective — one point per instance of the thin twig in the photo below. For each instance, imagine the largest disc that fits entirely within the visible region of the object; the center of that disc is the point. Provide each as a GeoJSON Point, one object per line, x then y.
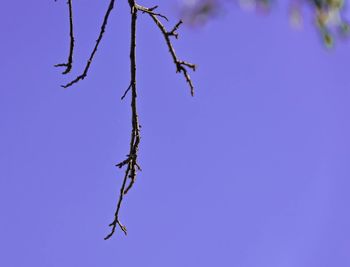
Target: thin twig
{"type": "Point", "coordinates": [87, 66]}
{"type": "Point", "coordinates": [131, 161]}
{"type": "Point", "coordinates": [116, 220]}
{"type": "Point", "coordinates": [126, 91]}
{"type": "Point", "coordinates": [150, 11]}
{"type": "Point", "coordinates": [131, 164]}
{"type": "Point", "coordinates": [173, 31]}
{"type": "Point", "coordinates": [69, 63]}
{"type": "Point", "coordinates": [180, 65]}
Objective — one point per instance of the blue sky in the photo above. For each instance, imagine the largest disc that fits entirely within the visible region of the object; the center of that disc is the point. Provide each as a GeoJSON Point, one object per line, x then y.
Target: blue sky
{"type": "Point", "coordinates": [251, 172]}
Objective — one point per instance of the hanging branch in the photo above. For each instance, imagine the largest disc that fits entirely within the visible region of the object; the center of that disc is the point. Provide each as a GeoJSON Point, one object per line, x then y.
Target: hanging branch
{"type": "Point", "coordinates": [131, 164]}
{"type": "Point", "coordinates": [181, 66]}
{"type": "Point", "coordinates": [87, 66]}
{"type": "Point", "coordinates": [69, 63]}
{"type": "Point", "coordinates": [131, 161]}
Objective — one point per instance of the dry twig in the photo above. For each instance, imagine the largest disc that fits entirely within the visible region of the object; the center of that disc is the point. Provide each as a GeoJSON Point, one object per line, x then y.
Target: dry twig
{"type": "Point", "coordinates": [131, 164]}
{"type": "Point", "coordinates": [88, 63]}
{"type": "Point", "coordinates": [181, 66]}
{"type": "Point", "coordinates": [69, 62]}
{"type": "Point", "coordinates": [131, 161]}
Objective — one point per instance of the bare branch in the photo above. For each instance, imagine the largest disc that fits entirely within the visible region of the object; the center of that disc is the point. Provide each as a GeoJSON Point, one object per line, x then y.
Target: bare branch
{"type": "Point", "coordinates": [131, 161]}
{"type": "Point", "coordinates": [69, 63]}
{"type": "Point", "coordinates": [87, 66]}
{"type": "Point", "coordinates": [180, 65]}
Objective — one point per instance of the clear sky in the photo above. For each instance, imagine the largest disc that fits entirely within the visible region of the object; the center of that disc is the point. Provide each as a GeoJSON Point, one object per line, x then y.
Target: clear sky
{"type": "Point", "coordinates": [251, 172]}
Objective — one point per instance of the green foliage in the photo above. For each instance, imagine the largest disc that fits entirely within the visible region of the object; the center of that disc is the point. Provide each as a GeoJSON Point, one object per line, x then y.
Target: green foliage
{"type": "Point", "coordinates": [328, 15]}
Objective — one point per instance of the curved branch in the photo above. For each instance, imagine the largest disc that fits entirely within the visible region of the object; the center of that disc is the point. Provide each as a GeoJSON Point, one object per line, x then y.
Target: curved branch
{"type": "Point", "coordinates": [103, 29]}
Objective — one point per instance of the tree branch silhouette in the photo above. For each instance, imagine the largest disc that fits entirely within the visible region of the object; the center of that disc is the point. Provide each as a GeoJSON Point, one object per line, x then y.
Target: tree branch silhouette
{"type": "Point", "coordinates": [181, 66]}
{"type": "Point", "coordinates": [88, 63]}
{"type": "Point", "coordinates": [69, 62]}
{"type": "Point", "coordinates": [130, 163]}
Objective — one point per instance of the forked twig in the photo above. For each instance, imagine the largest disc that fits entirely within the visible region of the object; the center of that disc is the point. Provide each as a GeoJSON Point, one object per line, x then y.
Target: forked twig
{"type": "Point", "coordinates": [181, 66]}
{"type": "Point", "coordinates": [131, 164]}
{"type": "Point", "coordinates": [150, 11]}
{"type": "Point", "coordinates": [131, 160]}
